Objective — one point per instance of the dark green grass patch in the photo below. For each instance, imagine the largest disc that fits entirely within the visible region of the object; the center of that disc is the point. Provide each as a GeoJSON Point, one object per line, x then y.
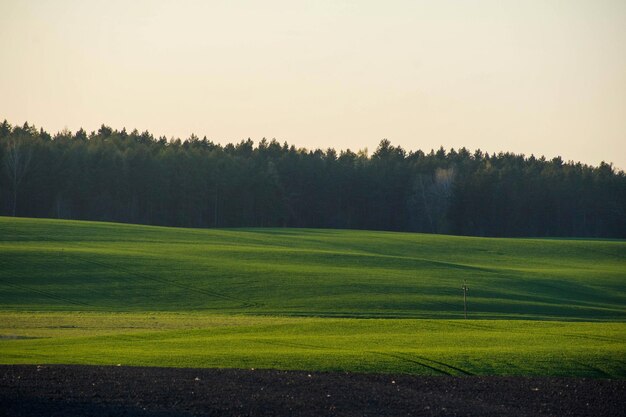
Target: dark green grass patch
{"type": "Point", "coordinates": [49, 265]}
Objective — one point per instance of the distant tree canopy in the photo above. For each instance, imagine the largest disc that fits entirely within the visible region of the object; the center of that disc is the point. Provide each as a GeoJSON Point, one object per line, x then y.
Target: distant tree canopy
{"type": "Point", "coordinates": [134, 177]}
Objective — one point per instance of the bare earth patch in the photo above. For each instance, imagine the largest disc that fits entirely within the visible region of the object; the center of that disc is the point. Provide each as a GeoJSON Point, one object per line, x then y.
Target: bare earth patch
{"type": "Point", "coordinates": [60, 390]}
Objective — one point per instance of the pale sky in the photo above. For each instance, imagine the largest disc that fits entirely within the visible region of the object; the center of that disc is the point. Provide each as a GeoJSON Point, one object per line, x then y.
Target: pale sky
{"type": "Point", "coordinates": [545, 77]}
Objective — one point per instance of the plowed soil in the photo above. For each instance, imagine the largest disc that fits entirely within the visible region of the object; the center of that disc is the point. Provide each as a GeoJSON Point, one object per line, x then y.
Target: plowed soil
{"type": "Point", "coordinates": [168, 392]}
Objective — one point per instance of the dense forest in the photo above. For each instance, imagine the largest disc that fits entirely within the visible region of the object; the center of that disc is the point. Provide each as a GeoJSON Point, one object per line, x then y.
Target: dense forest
{"type": "Point", "coordinates": [134, 177]}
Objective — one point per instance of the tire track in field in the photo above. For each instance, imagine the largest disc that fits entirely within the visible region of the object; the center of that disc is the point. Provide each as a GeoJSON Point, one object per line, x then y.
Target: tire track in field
{"type": "Point", "coordinates": [294, 344]}
{"type": "Point", "coordinates": [402, 358]}
{"type": "Point", "coordinates": [46, 293]}
{"type": "Point", "coordinates": [462, 371]}
{"type": "Point", "coordinates": [599, 371]}
{"type": "Point", "coordinates": [392, 355]}
{"type": "Point", "coordinates": [590, 337]}
{"type": "Point", "coordinates": [215, 294]}
{"type": "Point", "coordinates": [244, 303]}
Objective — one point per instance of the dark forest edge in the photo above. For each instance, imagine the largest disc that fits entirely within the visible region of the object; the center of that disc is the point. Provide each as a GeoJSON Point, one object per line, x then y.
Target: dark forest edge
{"type": "Point", "coordinates": [112, 175]}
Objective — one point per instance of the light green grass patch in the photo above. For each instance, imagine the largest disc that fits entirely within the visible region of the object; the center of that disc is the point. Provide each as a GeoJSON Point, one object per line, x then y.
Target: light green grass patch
{"type": "Point", "coordinates": [424, 347]}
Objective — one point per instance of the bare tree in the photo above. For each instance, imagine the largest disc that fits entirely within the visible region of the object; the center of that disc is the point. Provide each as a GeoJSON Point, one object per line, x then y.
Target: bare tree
{"type": "Point", "coordinates": [16, 162]}
{"type": "Point", "coordinates": [434, 192]}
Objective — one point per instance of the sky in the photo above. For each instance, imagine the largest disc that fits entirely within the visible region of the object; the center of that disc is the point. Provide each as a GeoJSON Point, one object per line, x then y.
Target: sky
{"type": "Point", "coordinates": [542, 77]}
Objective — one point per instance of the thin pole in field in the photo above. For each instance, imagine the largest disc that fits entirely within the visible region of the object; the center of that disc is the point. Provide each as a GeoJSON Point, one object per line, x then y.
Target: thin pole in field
{"type": "Point", "coordinates": [465, 288]}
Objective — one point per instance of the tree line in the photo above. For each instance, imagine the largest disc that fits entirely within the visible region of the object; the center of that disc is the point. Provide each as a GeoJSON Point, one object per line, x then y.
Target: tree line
{"type": "Point", "coordinates": [113, 175]}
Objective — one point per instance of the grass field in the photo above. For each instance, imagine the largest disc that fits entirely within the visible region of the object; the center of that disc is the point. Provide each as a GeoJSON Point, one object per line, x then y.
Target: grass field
{"type": "Point", "coordinates": [62, 265]}
{"type": "Point", "coordinates": [429, 347]}
{"type": "Point", "coordinates": [102, 293]}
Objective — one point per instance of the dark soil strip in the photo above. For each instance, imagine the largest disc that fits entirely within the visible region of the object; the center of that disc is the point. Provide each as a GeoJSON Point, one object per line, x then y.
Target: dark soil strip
{"type": "Point", "coordinates": [168, 392]}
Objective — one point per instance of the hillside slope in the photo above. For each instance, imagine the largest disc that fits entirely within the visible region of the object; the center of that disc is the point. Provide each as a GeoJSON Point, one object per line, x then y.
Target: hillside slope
{"type": "Point", "coordinates": [88, 266]}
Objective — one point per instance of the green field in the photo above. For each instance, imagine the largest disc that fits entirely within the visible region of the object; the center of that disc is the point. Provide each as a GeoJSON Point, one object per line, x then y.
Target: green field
{"type": "Point", "coordinates": [103, 293]}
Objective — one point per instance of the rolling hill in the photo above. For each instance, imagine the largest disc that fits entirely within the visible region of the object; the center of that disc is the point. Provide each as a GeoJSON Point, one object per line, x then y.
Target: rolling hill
{"type": "Point", "coordinates": [102, 293]}
{"type": "Point", "coordinates": [69, 265]}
